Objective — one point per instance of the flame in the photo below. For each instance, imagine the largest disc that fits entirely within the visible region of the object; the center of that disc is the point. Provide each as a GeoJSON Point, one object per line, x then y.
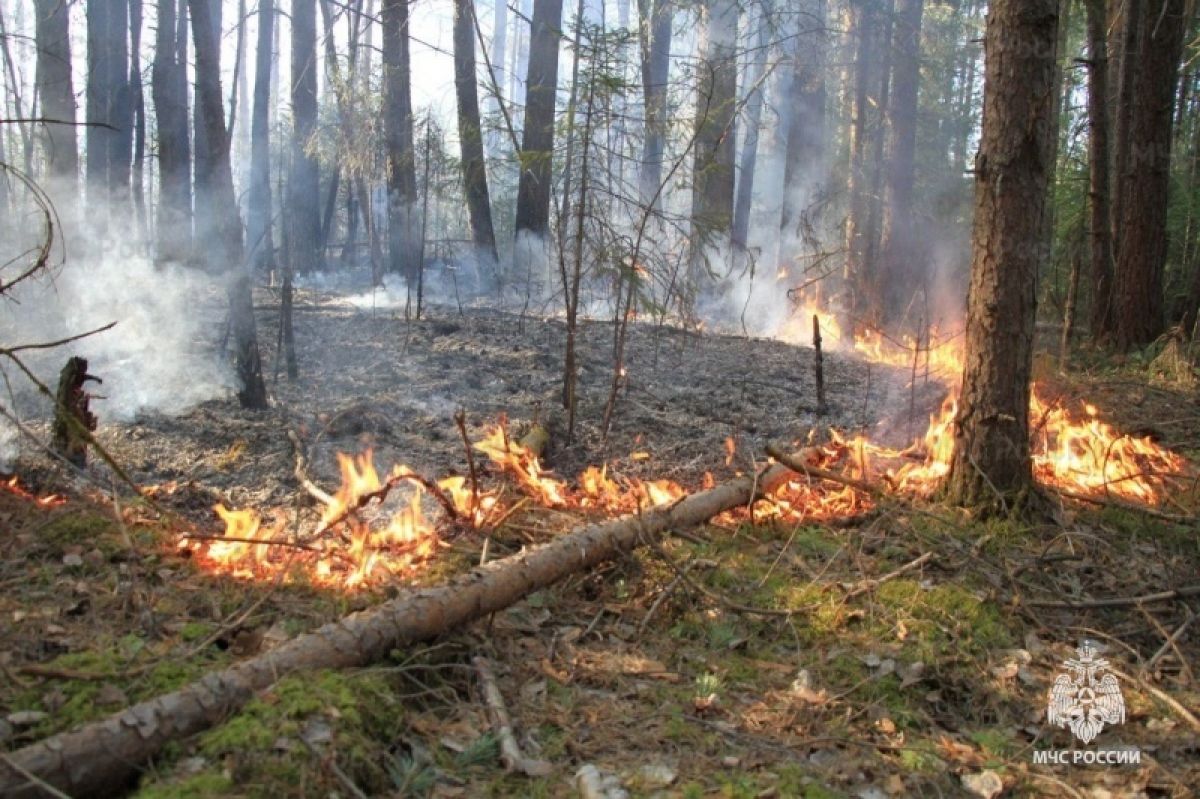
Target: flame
{"type": "Point", "coordinates": [517, 459]}
{"type": "Point", "coordinates": [14, 487]}
{"type": "Point", "coordinates": [1075, 452]}
{"type": "Point", "coordinates": [360, 555]}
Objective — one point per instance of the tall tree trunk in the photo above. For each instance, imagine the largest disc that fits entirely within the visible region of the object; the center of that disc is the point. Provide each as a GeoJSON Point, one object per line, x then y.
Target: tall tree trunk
{"type": "Point", "coordinates": [470, 132]}
{"type": "Point", "coordinates": [120, 109]}
{"type": "Point", "coordinates": [875, 170]}
{"type": "Point", "coordinates": [201, 165]}
{"type": "Point", "coordinates": [498, 58]}
{"type": "Point", "coordinates": [1142, 252]}
{"type": "Point", "coordinates": [902, 261]}
{"type": "Point", "coordinates": [860, 272]}
{"type": "Point", "coordinates": [657, 22]}
{"type": "Point", "coordinates": [537, 142]}
{"type": "Point", "coordinates": [303, 184]}
{"type": "Point", "coordinates": [713, 154]}
{"type": "Point", "coordinates": [398, 134]}
{"type": "Point", "coordinates": [168, 89]}
{"type": "Point", "coordinates": [258, 217]}
{"type": "Point", "coordinates": [749, 157]}
{"type": "Point", "coordinates": [1099, 212]}
{"type": "Point", "coordinates": [54, 85]}
{"type": "Point", "coordinates": [137, 98]}
{"type": "Point", "coordinates": [222, 230]}
{"type": "Point", "coordinates": [990, 466]}
{"type": "Point", "coordinates": [804, 112]}
{"type": "Point", "coordinates": [99, 134]}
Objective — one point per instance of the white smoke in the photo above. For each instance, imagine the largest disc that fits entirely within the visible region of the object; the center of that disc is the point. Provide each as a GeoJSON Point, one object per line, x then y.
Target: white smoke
{"type": "Point", "coordinates": [160, 355]}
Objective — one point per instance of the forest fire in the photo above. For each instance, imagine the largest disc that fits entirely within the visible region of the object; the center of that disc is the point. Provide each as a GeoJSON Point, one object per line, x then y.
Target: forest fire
{"type": "Point", "coordinates": [14, 487]}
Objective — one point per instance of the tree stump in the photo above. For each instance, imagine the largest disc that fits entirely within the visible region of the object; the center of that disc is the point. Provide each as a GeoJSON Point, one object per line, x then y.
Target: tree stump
{"type": "Point", "coordinates": [72, 417]}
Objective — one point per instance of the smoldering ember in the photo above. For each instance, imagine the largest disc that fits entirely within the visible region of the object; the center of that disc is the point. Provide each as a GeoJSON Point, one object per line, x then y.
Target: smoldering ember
{"type": "Point", "coordinates": [527, 398]}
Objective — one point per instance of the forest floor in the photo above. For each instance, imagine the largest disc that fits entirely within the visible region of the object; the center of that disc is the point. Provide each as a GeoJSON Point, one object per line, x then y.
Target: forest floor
{"type": "Point", "coordinates": [750, 659]}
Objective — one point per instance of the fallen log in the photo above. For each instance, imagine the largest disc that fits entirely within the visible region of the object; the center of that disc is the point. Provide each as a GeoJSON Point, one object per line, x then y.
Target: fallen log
{"type": "Point", "coordinates": [103, 756]}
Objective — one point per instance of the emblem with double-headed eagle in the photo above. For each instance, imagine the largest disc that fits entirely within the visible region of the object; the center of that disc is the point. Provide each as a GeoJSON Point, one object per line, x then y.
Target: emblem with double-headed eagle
{"type": "Point", "coordinates": [1082, 701]}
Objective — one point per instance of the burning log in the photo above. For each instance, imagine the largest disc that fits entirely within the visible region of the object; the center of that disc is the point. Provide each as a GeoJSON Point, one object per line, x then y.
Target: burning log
{"type": "Point", "coordinates": [101, 757]}
{"type": "Point", "coordinates": [73, 418]}
{"type": "Point", "coordinates": [819, 366]}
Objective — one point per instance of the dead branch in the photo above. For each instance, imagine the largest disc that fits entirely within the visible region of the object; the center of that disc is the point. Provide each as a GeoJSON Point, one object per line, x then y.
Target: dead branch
{"type": "Point", "coordinates": [1117, 602]}
{"type": "Point", "coordinates": [510, 752]}
{"type": "Point", "coordinates": [798, 465]}
{"type": "Point", "coordinates": [301, 471]}
{"type": "Point", "coordinates": [870, 585]}
{"type": "Point", "coordinates": [99, 757]}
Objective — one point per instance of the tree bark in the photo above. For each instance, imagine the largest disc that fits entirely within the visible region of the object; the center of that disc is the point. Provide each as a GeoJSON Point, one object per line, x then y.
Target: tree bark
{"type": "Point", "coordinates": [101, 756]}
{"type": "Point", "coordinates": [57, 92]}
{"type": "Point", "coordinates": [202, 166]}
{"type": "Point", "coordinates": [990, 467]}
{"type": "Point", "coordinates": [656, 70]}
{"type": "Point", "coordinates": [398, 134]}
{"type": "Point", "coordinates": [303, 184]}
{"type": "Point", "coordinates": [258, 217]}
{"type": "Point", "coordinates": [1099, 210]}
{"type": "Point", "coordinates": [804, 153]}
{"type": "Point", "coordinates": [715, 132]}
{"type": "Point", "coordinates": [168, 89]}
{"type": "Point", "coordinates": [470, 133]}
{"type": "Point", "coordinates": [537, 141]}
{"type": "Point", "coordinates": [223, 233]}
{"type": "Point", "coordinates": [901, 260]}
{"type": "Point", "coordinates": [749, 158]}
{"type": "Point", "coordinates": [1142, 252]}
{"type": "Point", "coordinates": [860, 272]}
{"type": "Point", "coordinates": [137, 103]}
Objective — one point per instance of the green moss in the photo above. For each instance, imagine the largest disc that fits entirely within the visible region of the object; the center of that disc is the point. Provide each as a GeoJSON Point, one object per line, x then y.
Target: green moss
{"type": "Point", "coordinates": [196, 630]}
{"type": "Point", "coordinates": [205, 785]}
{"type": "Point", "coordinates": [944, 617]}
{"type": "Point", "coordinates": [997, 743]}
{"type": "Point", "coordinates": [262, 746]}
{"type": "Point", "coordinates": [921, 760]}
{"type": "Point", "coordinates": [81, 529]}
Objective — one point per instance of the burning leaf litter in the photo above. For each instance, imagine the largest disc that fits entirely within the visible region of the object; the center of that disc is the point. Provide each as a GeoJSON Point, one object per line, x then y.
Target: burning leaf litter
{"type": "Point", "coordinates": [1075, 453]}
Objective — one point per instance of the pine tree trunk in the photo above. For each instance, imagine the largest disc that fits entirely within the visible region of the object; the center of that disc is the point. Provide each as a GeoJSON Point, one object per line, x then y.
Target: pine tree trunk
{"type": "Point", "coordinates": [470, 134]}
{"type": "Point", "coordinates": [99, 87]}
{"type": "Point", "coordinates": [1142, 253]}
{"type": "Point", "coordinates": [860, 272]}
{"type": "Point", "coordinates": [398, 135]}
{"type": "Point", "coordinates": [224, 239]}
{"type": "Point", "coordinates": [137, 99]}
{"type": "Point", "coordinates": [804, 113]}
{"type": "Point", "coordinates": [990, 467]}
{"type": "Point", "coordinates": [901, 260]}
{"type": "Point", "coordinates": [656, 69]}
{"type": "Point", "coordinates": [56, 89]}
{"type": "Point", "coordinates": [1099, 211]}
{"type": "Point", "coordinates": [749, 157]}
{"type": "Point", "coordinates": [537, 141]}
{"type": "Point", "coordinates": [303, 183]}
{"type": "Point", "coordinates": [714, 132]}
{"type": "Point", "coordinates": [168, 89]}
{"type": "Point", "coordinates": [258, 217]}
{"type": "Point", "coordinates": [202, 165]}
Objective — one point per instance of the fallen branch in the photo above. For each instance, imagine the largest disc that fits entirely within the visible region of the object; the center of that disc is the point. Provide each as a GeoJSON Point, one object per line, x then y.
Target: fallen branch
{"type": "Point", "coordinates": [101, 756]}
{"type": "Point", "coordinates": [1163, 697]}
{"type": "Point", "coordinates": [1132, 507]}
{"type": "Point", "coordinates": [510, 751]}
{"type": "Point", "coordinates": [301, 471]}
{"type": "Point", "coordinates": [798, 465]}
{"type": "Point", "coordinates": [1117, 602]}
{"type": "Point", "coordinates": [870, 585]}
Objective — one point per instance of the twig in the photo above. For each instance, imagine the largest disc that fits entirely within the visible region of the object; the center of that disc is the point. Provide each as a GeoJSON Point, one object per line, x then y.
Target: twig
{"type": "Point", "coordinates": [342, 777]}
{"type": "Point", "coordinates": [870, 585]}
{"type": "Point", "coordinates": [300, 470]}
{"type": "Point", "coordinates": [33, 778]}
{"type": "Point", "coordinates": [822, 474]}
{"type": "Point", "coordinates": [1163, 697]}
{"type": "Point", "coordinates": [460, 419]}
{"type": "Point", "coordinates": [1117, 602]}
{"type": "Point", "coordinates": [1170, 643]}
{"type": "Point", "coordinates": [510, 752]}
{"type": "Point", "coordinates": [1108, 502]}
{"type": "Point", "coordinates": [381, 494]}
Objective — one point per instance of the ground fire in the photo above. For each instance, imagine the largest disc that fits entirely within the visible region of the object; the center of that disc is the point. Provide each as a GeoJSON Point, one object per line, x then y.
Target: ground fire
{"type": "Point", "coordinates": [1073, 451]}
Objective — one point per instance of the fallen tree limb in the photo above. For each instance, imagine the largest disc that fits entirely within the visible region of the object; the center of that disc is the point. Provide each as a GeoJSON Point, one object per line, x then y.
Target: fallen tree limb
{"type": "Point", "coordinates": [102, 757]}
{"type": "Point", "coordinates": [510, 752]}
{"type": "Point", "coordinates": [1116, 602]}
{"type": "Point", "coordinates": [798, 465]}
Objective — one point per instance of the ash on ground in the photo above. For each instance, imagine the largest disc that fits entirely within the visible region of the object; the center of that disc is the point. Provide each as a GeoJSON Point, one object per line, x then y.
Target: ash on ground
{"type": "Point", "coordinates": [369, 378]}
